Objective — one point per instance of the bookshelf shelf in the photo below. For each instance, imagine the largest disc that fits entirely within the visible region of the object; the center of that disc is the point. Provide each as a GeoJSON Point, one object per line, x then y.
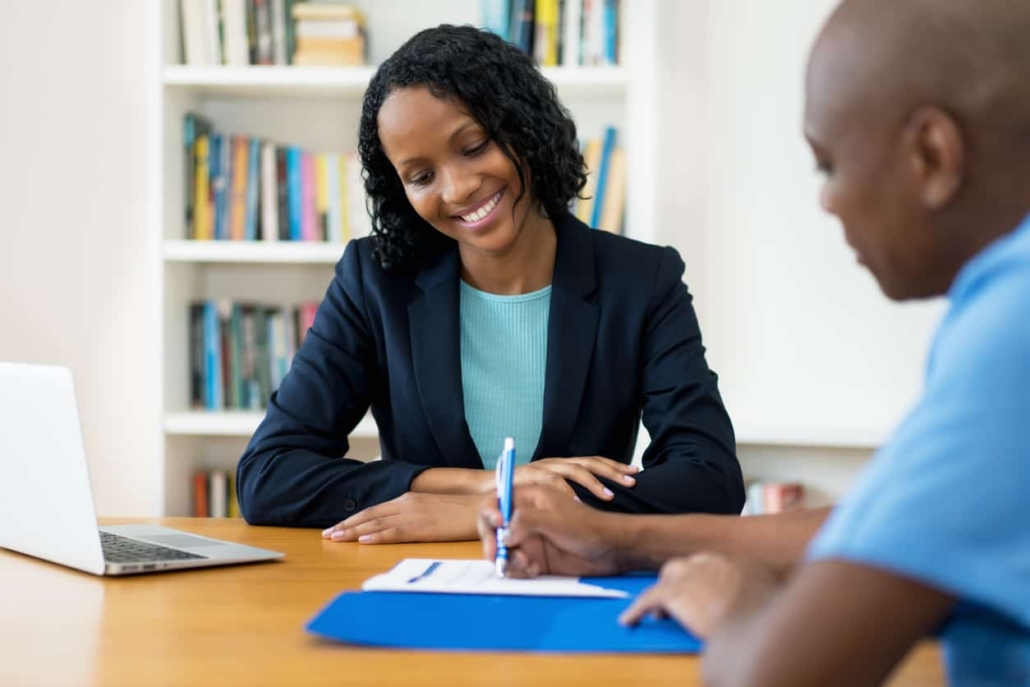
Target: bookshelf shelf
{"type": "Point", "coordinates": [351, 81]}
{"type": "Point", "coordinates": [237, 424]}
{"type": "Point", "coordinates": [318, 109]}
{"type": "Point", "coordinates": [255, 252]}
{"type": "Point", "coordinates": [810, 437]}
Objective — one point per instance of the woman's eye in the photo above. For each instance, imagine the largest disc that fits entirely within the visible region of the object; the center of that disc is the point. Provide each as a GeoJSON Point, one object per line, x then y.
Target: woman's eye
{"type": "Point", "coordinates": [421, 179]}
{"type": "Point", "coordinates": [477, 149]}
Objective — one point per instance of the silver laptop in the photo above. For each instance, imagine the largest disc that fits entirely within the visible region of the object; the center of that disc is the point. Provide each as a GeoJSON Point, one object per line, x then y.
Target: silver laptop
{"type": "Point", "coordinates": [46, 504]}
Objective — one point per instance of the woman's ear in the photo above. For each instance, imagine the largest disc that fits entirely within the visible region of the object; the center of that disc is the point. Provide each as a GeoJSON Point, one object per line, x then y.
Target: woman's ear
{"type": "Point", "coordinates": [938, 155]}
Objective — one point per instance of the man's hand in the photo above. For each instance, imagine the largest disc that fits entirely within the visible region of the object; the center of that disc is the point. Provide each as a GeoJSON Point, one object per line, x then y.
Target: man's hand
{"type": "Point", "coordinates": [584, 470]}
{"type": "Point", "coordinates": [550, 533]}
{"type": "Point", "coordinates": [413, 517]}
{"type": "Point", "coordinates": [701, 591]}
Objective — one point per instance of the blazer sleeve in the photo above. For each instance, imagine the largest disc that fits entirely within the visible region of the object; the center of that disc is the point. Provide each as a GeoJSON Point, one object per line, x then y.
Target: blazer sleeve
{"type": "Point", "coordinates": [293, 472]}
{"type": "Point", "coordinates": [691, 464]}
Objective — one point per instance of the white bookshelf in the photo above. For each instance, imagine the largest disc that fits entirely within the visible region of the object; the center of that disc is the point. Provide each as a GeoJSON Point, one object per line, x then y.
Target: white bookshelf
{"type": "Point", "coordinates": [337, 81]}
{"type": "Point", "coordinates": [237, 424]}
{"type": "Point", "coordinates": [319, 108]}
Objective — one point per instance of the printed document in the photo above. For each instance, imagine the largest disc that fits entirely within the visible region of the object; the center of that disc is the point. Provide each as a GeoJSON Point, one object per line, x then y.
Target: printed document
{"type": "Point", "coordinates": [477, 577]}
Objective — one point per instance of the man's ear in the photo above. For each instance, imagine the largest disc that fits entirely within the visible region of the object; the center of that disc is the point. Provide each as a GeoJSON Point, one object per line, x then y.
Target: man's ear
{"type": "Point", "coordinates": [938, 155]}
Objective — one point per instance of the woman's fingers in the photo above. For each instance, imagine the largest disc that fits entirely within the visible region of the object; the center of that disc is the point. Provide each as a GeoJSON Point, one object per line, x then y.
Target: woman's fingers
{"type": "Point", "coordinates": [606, 467]}
{"type": "Point", "coordinates": [580, 475]}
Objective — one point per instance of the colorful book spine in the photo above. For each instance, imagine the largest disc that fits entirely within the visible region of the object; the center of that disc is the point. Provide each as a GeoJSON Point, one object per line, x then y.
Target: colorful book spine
{"type": "Point", "coordinates": [307, 195]}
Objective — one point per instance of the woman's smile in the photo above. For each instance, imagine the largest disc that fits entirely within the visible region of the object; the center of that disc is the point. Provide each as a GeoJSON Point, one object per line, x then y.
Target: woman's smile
{"type": "Point", "coordinates": [481, 214]}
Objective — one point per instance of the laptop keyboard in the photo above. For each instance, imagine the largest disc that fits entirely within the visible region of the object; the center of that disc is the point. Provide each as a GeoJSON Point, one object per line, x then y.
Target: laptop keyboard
{"type": "Point", "coordinates": [119, 549]}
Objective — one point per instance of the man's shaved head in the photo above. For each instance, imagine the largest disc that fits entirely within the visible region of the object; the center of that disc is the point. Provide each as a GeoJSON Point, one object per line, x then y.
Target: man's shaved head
{"type": "Point", "coordinates": [922, 110]}
{"type": "Point", "coordinates": [969, 57]}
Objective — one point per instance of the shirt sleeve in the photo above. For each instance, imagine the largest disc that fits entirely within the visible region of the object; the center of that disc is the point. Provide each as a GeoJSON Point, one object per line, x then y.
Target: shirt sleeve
{"type": "Point", "coordinates": [690, 465]}
{"type": "Point", "coordinates": [293, 472]}
{"type": "Point", "coordinates": [945, 502]}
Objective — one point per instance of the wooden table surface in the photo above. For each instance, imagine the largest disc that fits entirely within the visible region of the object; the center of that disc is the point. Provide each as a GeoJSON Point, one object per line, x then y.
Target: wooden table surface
{"type": "Point", "coordinates": [244, 625]}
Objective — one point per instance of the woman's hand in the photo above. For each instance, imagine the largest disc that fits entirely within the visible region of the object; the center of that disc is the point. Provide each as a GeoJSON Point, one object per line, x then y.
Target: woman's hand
{"type": "Point", "coordinates": [413, 517]}
{"type": "Point", "coordinates": [583, 470]}
{"type": "Point", "coordinates": [702, 590]}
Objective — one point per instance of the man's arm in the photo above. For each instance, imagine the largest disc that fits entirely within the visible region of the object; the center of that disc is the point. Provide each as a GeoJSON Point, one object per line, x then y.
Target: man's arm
{"type": "Point", "coordinates": [554, 534]}
{"type": "Point", "coordinates": [835, 622]}
{"type": "Point", "coordinates": [777, 541]}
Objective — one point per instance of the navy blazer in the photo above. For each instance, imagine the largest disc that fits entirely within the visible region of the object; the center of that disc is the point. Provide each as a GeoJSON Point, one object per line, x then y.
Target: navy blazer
{"type": "Point", "coordinates": [623, 340]}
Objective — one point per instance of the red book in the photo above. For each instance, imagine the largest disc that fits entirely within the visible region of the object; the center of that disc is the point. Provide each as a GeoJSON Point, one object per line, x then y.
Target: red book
{"type": "Point", "coordinates": [200, 494]}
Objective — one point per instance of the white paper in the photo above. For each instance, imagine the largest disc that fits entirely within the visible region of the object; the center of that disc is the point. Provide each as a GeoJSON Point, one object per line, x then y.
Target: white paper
{"type": "Point", "coordinates": [477, 577]}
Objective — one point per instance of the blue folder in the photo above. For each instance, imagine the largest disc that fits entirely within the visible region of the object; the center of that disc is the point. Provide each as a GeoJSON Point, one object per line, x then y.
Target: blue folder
{"type": "Point", "coordinates": [470, 622]}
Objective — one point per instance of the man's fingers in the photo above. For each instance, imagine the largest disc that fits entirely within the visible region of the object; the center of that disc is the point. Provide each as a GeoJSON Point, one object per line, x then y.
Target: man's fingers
{"type": "Point", "coordinates": [650, 601]}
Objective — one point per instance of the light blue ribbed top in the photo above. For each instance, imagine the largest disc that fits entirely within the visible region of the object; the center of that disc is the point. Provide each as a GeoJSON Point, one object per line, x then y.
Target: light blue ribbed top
{"type": "Point", "coordinates": [503, 361]}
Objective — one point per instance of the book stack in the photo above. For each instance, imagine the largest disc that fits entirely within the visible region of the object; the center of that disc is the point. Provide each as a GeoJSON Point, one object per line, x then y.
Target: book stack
{"type": "Point", "coordinates": [328, 35]}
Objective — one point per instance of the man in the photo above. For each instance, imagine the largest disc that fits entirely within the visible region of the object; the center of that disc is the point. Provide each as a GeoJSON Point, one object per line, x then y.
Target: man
{"type": "Point", "coordinates": [918, 113]}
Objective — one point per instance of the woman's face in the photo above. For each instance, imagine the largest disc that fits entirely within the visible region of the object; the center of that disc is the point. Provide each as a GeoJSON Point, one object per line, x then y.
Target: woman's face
{"type": "Point", "coordinates": [455, 177]}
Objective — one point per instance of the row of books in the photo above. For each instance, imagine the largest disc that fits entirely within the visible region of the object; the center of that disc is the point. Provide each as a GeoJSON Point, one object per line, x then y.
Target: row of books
{"type": "Point", "coordinates": [239, 33]}
{"type": "Point", "coordinates": [214, 494]}
{"type": "Point", "coordinates": [243, 188]}
{"type": "Point", "coordinates": [767, 497]}
{"type": "Point", "coordinates": [604, 197]}
{"type": "Point", "coordinates": [567, 33]}
{"type": "Point", "coordinates": [240, 352]}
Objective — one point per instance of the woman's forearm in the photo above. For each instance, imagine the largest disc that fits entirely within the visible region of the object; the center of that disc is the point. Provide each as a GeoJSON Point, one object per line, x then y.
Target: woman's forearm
{"type": "Point", "coordinates": [453, 481]}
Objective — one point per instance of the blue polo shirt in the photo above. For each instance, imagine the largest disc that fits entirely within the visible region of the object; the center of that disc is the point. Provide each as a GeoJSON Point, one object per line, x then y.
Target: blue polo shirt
{"type": "Point", "coordinates": [947, 500]}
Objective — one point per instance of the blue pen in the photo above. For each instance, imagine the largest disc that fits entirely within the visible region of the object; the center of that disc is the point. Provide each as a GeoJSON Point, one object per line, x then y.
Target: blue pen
{"type": "Point", "coordinates": [505, 477]}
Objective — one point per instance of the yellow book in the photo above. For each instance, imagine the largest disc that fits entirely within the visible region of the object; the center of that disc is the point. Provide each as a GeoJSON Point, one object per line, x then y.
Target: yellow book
{"type": "Point", "coordinates": [203, 219]}
{"type": "Point", "coordinates": [614, 193]}
{"type": "Point", "coordinates": [592, 158]}
{"type": "Point", "coordinates": [547, 33]}
{"type": "Point", "coordinates": [321, 197]}
{"type": "Point", "coordinates": [234, 503]}
{"type": "Point", "coordinates": [344, 205]}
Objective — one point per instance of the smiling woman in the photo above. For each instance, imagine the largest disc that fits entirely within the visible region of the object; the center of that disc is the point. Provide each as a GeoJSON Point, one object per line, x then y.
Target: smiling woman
{"type": "Point", "coordinates": [482, 309]}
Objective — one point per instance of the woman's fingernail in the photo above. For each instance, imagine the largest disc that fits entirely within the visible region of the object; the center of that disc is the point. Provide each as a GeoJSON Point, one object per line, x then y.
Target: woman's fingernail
{"type": "Point", "coordinates": [327, 532]}
{"type": "Point", "coordinates": [365, 538]}
{"type": "Point", "coordinates": [628, 479]}
{"type": "Point", "coordinates": [338, 535]}
{"type": "Point", "coordinates": [608, 492]}
{"type": "Point", "coordinates": [576, 498]}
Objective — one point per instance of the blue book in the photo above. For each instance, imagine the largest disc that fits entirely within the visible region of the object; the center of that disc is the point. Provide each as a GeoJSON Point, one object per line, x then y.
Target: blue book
{"type": "Point", "coordinates": [602, 176]}
{"type": "Point", "coordinates": [611, 19]}
{"type": "Point", "coordinates": [212, 357]}
{"type": "Point", "coordinates": [295, 200]}
{"type": "Point", "coordinates": [250, 227]}
{"type": "Point", "coordinates": [496, 16]}
{"type": "Point", "coordinates": [220, 160]}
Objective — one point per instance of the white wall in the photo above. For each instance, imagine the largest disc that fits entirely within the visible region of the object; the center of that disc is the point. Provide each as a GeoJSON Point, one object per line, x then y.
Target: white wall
{"type": "Point", "coordinates": [738, 200]}
{"type": "Point", "coordinates": [809, 353]}
{"type": "Point", "coordinates": [72, 287]}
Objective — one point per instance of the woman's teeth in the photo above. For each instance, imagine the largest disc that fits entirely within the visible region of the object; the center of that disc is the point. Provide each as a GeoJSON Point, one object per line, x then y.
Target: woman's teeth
{"type": "Point", "coordinates": [483, 211]}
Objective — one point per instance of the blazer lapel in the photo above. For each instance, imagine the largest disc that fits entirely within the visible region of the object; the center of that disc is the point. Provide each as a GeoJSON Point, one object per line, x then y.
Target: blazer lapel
{"type": "Point", "coordinates": [571, 331]}
{"type": "Point", "coordinates": [436, 358]}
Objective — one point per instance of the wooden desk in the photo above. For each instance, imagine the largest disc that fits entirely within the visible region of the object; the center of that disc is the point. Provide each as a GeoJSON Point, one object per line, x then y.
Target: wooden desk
{"type": "Point", "coordinates": [244, 625]}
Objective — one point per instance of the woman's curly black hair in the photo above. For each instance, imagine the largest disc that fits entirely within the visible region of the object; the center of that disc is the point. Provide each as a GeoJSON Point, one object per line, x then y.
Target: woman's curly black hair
{"type": "Point", "coordinates": [501, 88]}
